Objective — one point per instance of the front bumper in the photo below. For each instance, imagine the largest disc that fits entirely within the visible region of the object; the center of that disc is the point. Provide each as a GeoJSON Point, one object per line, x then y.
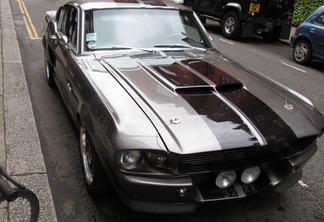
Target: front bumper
{"type": "Point", "coordinates": [185, 194]}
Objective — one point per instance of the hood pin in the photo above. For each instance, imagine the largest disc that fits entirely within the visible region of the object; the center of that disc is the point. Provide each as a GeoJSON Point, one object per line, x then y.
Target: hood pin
{"type": "Point", "coordinates": [175, 120]}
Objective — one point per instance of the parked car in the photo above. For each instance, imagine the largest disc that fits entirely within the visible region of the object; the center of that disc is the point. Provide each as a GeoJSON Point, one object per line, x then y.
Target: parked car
{"type": "Point", "coordinates": [308, 40]}
{"type": "Point", "coordinates": [272, 18]}
{"type": "Point", "coordinates": [165, 118]}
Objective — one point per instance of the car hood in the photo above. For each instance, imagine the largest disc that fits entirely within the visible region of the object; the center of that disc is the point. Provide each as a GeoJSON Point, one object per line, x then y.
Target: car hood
{"type": "Point", "coordinates": [200, 101]}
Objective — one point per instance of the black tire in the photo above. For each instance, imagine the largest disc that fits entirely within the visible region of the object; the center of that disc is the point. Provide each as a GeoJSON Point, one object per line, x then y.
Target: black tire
{"type": "Point", "coordinates": [95, 178]}
{"type": "Point", "coordinates": [302, 52]}
{"type": "Point", "coordinates": [271, 36]}
{"type": "Point", "coordinates": [49, 70]}
{"type": "Point", "coordinates": [25, 207]}
{"type": "Point", "coordinates": [231, 25]}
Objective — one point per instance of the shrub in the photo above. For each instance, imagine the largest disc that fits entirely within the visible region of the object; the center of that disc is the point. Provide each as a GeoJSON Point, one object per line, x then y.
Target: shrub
{"type": "Point", "coordinates": [303, 8]}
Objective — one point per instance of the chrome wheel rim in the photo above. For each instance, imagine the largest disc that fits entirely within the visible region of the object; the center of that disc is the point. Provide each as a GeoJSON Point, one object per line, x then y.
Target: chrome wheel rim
{"type": "Point", "coordinates": [301, 51]}
{"type": "Point", "coordinates": [229, 25]}
{"type": "Point", "coordinates": [86, 155]}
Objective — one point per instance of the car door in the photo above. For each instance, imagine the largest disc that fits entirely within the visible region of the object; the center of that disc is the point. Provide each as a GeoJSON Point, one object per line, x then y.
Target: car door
{"type": "Point", "coordinates": [317, 32]}
{"type": "Point", "coordinates": [66, 53]}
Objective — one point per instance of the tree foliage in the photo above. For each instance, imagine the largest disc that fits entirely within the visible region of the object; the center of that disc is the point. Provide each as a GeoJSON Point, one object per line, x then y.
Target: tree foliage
{"type": "Point", "coordinates": [303, 8]}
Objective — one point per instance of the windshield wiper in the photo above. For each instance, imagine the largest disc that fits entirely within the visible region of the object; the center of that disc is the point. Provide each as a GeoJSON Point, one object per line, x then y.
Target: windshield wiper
{"type": "Point", "coordinates": [172, 46]}
{"type": "Point", "coordinates": [178, 46]}
{"type": "Point", "coordinates": [121, 47]}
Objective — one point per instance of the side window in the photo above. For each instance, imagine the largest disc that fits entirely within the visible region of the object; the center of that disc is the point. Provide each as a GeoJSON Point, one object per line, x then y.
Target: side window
{"type": "Point", "coordinates": [63, 20]}
{"type": "Point", "coordinates": [69, 24]}
{"type": "Point", "coordinates": [73, 30]}
{"type": "Point", "coordinates": [58, 14]}
{"type": "Point", "coordinates": [320, 19]}
{"type": "Point", "coordinates": [59, 18]}
{"type": "Point", "coordinates": [66, 22]}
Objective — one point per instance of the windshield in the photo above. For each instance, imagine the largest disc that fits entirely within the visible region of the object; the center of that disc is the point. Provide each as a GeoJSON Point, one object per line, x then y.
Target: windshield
{"type": "Point", "coordinates": [141, 28]}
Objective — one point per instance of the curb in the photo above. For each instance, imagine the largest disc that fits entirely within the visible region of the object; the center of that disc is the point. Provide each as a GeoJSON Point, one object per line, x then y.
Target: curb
{"type": "Point", "coordinates": [20, 150]}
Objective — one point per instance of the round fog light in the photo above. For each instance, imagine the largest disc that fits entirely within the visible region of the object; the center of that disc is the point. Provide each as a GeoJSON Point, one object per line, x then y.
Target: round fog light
{"type": "Point", "coordinates": [183, 191]}
{"type": "Point", "coordinates": [250, 175]}
{"type": "Point", "coordinates": [225, 179]}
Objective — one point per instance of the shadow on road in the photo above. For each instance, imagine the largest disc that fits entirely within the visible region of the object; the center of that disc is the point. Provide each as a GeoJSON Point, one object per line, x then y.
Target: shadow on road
{"type": "Point", "coordinates": [253, 207]}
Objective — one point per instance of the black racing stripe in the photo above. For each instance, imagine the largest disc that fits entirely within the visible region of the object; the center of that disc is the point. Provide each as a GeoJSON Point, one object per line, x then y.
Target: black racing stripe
{"type": "Point", "coordinates": [153, 3]}
{"type": "Point", "coordinates": [268, 122]}
{"type": "Point", "coordinates": [214, 74]}
{"type": "Point", "coordinates": [127, 1]}
{"type": "Point", "coordinates": [271, 125]}
{"type": "Point", "coordinates": [179, 75]}
{"type": "Point", "coordinates": [145, 2]}
{"type": "Point", "coordinates": [228, 128]}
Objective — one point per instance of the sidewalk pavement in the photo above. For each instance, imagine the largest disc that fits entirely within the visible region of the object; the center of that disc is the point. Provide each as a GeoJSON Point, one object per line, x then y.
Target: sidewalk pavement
{"type": "Point", "coordinates": [20, 150]}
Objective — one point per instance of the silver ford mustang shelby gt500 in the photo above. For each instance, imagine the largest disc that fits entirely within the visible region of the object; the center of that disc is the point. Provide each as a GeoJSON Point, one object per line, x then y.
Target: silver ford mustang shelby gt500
{"type": "Point", "coordinates": [165, 118]}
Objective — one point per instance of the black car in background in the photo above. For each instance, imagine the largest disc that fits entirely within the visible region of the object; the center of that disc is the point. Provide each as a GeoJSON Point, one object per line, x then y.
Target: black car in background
{"type": "Point", "coordinates": [272, 18]}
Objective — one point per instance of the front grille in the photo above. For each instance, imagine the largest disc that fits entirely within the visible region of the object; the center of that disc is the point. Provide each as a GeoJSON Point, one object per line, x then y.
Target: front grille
{"type": "Point", "coordinates": [241, 157]}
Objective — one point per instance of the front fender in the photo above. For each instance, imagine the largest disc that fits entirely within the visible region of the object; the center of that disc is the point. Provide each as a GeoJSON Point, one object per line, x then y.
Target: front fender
{"type": "Point", "coordinates": [232, 6]}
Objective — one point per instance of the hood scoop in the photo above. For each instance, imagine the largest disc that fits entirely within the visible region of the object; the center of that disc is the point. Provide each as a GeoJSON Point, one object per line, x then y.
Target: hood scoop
{"type": "Point", "coordinates": [207, 90]}
{"type": "Point", "coordinates": [196, 90]}
{"type": "Point", "coordinates": [229, 87]}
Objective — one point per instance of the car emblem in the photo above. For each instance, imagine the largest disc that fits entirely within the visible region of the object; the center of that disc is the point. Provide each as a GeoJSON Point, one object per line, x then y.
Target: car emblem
{"type": "Point", "coordinates": [288, 106]}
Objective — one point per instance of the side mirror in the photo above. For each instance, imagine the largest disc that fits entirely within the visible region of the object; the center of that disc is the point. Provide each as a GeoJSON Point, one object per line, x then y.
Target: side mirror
{"type": "Point", "coordinates": [51, 15]}
{"type": "Point", "coordinates": [63, 39]}
{"type": "Point", "coordinates": [53, 39]}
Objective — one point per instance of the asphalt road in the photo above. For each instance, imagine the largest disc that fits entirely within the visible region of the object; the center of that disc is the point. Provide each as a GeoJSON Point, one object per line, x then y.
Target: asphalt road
{"type": "Point", "coordinates": [59, 138]}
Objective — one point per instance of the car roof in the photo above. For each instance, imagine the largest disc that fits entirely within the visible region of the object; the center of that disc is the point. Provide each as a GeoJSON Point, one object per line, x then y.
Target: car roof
{"type": "Point", "coordinates": [319, 10]}
{"type": "Point", "coordinates": [102, 4]}
{"type": "Point", "coordinates": [311, 18]}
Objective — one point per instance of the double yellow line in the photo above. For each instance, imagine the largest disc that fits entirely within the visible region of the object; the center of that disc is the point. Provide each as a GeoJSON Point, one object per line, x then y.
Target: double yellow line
{"type": "Point", "coordinates": [32, 33]}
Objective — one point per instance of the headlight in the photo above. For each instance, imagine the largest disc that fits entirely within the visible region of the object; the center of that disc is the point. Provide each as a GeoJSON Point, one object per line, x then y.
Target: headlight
{"type": "Point", "coordinates": [225, 179]}
{"type": "Point", "coordinates": [158, 160]}
{"type": "Point", "coordinates": [250, 175]}
{"type": "Point", "coordinates": [128, 159]}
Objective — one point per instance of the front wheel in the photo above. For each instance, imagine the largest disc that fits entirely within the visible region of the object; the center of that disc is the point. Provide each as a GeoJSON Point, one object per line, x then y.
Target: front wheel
{"type": "Point", "coordinates": [302, 52]}
{"type": "Point", "coordinates": [24, 208]}
{"type": "Point", "coordinates": [49, 70]}
{"type": "Point", "coordinates": [231, 25]}
{"type": "Point", "coordinates": [92, 169]}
